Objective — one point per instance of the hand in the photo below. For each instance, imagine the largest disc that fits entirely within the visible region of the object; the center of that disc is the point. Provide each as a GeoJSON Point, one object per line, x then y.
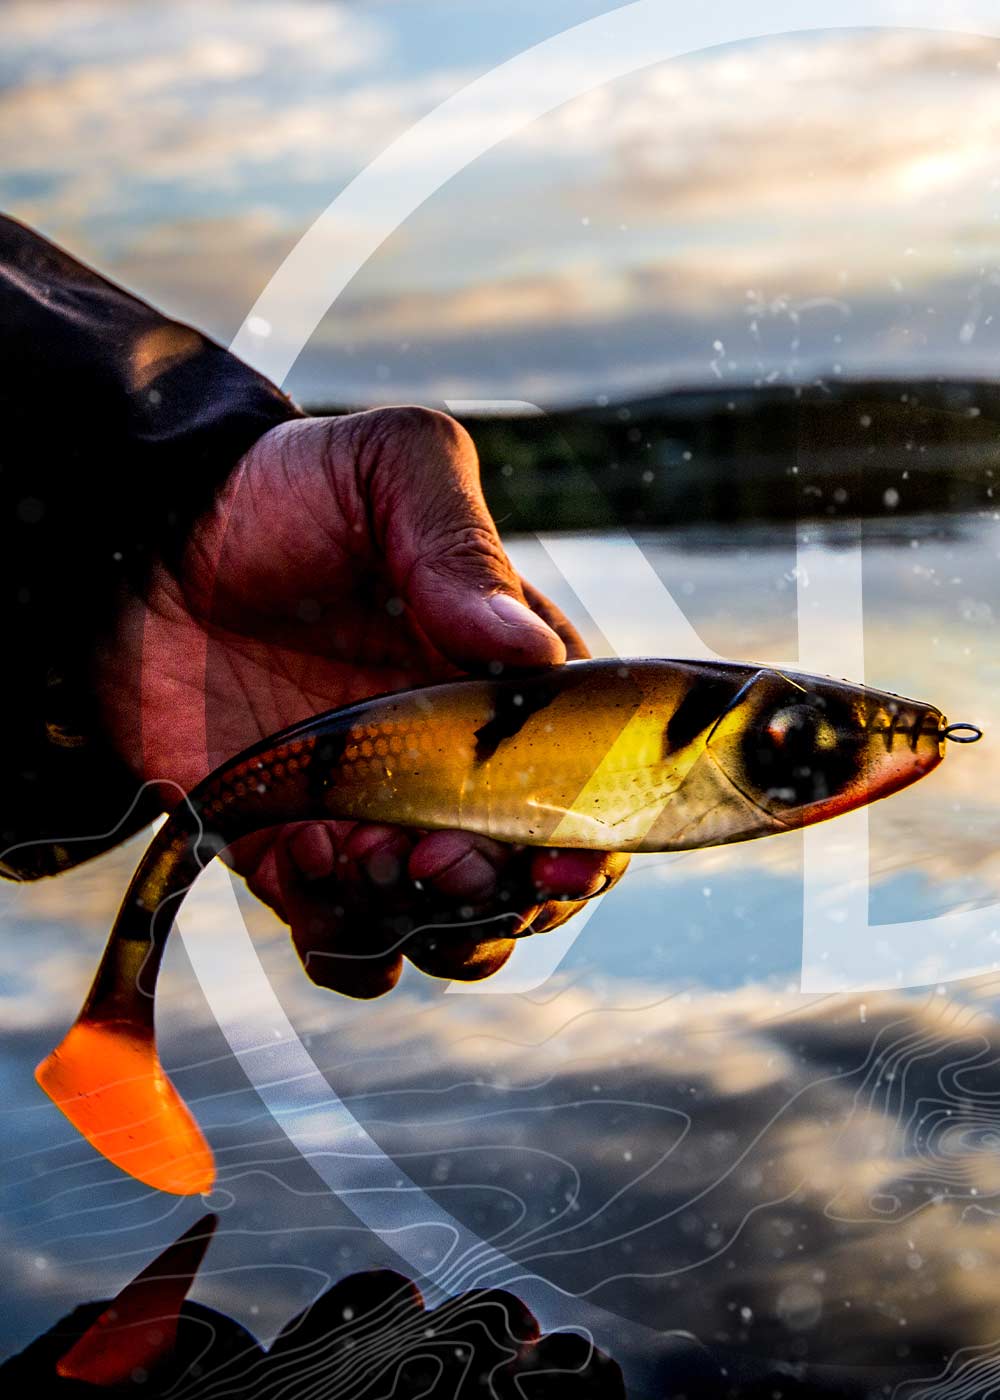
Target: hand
{"type": "Point", "coordinates": [484, 1342]}
{"type": "Point", "coordinates": [346, 557]}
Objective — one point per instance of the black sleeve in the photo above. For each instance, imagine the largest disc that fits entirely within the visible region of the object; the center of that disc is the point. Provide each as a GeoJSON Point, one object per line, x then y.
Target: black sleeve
{"type": "Point", "coordinates": [117, 426]}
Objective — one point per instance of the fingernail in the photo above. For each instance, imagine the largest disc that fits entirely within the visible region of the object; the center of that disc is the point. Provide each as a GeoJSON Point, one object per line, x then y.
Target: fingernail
{"type": "Point", "coordinates": [311, 848]}
{"type": "Point", "coordinates": [514, 613]}
{"type": "Point", "coordinates": [602, 887]}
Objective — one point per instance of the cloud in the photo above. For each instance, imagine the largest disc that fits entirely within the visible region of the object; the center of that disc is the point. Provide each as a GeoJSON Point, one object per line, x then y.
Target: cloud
{"type": "Point", "coordinates": [794, 1179]}
{"type": "Point", "coordinates": [813, 1183]}
{"type": "Point", "coordinates": [801, 1184]}
{"type": "Point", "coordinates": [604, 247]}
{"type": "Point", "coordinates": [792, 125]}
{"type": "Point", "coordinates": [817, 204]}
{"type": "Point", "coordinates": [215, 96]}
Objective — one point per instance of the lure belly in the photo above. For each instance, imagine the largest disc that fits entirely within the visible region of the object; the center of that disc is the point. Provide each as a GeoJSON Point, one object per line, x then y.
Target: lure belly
{"type": "Point", "coordinates": [640, 755]}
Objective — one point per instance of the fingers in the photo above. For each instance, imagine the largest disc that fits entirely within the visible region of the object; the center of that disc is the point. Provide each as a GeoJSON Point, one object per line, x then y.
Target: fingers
{"type": "Point", "coordinates": [444, 953]}
{"type": "Point", "coordinates": [484, 1340]}
{"type": "Point", "coordinates": [360, 897]}
{"type": "Point", "coordinates": [375, 857]}
{"type": "Point", "coordinates": [312, 851]}
{"type": "Point", "coordinates": [576, 874]}
{"type": "Point", "coordinates": [459, 865]}
{"type": "Point", "coordinates": [567, 880]}
{"type": "Point", "coordinates": [319, 876]}
{"type": "Point", "coordinates": [439, 544]}
{"type": "Point", "coordinates": [392, 493]}
{"type": "Point", "coordinates": [391, 496]}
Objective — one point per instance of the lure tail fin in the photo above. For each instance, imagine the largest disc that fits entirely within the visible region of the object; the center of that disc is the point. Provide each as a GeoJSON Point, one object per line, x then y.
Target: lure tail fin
{"type": "Point", "coordinates": [107, 1079]}
{"type": "Point", "coordinates": [106, 1075]}
{"type": "Point", "coordinates": [139, 1329]}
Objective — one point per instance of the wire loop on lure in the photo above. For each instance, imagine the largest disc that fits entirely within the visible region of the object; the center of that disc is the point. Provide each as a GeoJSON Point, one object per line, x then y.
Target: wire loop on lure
{"type": "Point", "coordinates": [962, 733]}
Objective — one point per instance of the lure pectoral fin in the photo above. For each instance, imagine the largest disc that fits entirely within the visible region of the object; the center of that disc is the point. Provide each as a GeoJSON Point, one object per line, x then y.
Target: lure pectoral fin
{"type": "Point", "coordinates": [606, 755]}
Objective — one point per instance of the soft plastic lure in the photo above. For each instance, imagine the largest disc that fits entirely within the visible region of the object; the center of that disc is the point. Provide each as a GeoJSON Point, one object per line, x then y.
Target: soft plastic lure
{"type": "Point", "coordinates": [616, 756]}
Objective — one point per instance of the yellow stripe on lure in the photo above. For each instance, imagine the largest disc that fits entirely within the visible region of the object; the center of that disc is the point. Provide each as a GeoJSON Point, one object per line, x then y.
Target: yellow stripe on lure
{"type": "Point", "coordinates": [610, 755]}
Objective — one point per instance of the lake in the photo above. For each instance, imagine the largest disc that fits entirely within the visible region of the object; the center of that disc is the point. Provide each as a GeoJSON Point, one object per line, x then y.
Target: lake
{"type": "Point", "coordinates": [660, 1135]}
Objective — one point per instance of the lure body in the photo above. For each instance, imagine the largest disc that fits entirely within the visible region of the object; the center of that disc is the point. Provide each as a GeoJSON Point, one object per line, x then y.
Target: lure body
{"type": "Point", "coordinates": [617, 756]}
{"type": "Point", "coordinates": [609, 755]}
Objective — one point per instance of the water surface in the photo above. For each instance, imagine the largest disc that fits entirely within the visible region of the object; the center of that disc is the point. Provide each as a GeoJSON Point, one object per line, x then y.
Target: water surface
{"type": "Point", "coordinates": [668, 1127]}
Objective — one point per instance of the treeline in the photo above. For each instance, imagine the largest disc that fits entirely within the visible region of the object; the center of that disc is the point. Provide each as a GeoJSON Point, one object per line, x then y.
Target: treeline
{"type": "Point", "coordinates": [856, 448]}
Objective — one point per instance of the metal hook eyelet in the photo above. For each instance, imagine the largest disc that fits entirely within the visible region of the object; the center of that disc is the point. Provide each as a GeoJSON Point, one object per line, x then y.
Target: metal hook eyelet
{"type": "Point", "coordinates": [962, 733]}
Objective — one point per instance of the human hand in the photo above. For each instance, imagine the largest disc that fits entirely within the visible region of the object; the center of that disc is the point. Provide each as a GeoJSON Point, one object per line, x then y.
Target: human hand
{"type": "Point", "coordinates": [343, 558]}
{"type": "Point", "coordinates": [485, 1342]}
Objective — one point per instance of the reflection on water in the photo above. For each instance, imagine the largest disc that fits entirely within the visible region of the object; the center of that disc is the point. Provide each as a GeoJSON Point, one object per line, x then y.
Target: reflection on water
{"type": "Point", "coordinates": [669, 1127]}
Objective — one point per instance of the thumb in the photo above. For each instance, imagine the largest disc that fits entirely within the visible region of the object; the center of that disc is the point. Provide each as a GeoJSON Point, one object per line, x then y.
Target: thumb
{"type": "Point", "coordinates": [441, 547]}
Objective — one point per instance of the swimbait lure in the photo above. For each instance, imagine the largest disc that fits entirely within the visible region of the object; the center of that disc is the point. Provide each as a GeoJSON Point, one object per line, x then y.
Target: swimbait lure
{"type": "Point", "coordinates": [610, 755]}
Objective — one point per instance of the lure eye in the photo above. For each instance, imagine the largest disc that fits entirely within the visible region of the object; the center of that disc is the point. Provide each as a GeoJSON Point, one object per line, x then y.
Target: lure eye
{"type": "Point", "coordinates": [803, 728]}
{"type": "Point", "coordinates": [800, 754]}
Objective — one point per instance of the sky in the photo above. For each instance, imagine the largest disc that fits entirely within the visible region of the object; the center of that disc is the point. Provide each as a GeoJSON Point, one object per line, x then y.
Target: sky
{"type": "Point", "coordinates": [810, 204]}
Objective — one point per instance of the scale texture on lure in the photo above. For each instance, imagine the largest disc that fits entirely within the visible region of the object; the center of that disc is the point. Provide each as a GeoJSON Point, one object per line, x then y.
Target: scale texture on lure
{"type": "Point", "coordinates": [610, 755]}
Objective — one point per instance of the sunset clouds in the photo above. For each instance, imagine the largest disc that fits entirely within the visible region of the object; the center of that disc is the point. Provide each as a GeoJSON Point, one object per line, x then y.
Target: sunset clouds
{"type": "Point", "coordinates": [815, 203]}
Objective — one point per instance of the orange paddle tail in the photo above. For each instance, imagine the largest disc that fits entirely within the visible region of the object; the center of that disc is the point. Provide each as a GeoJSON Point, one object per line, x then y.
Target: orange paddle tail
{"type": "Point", "coordinates": [107, 1079]}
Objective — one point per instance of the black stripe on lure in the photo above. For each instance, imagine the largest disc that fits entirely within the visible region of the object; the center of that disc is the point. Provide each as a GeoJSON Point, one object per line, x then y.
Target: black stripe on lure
{"type": "Point", "coordinates": [640, 755]}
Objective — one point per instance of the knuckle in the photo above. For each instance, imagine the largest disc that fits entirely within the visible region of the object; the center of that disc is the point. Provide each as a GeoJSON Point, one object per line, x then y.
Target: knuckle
{"type": "Point", "coordinates": [387, 434]}
{"type": "Point", "coordinates": [471, 543]}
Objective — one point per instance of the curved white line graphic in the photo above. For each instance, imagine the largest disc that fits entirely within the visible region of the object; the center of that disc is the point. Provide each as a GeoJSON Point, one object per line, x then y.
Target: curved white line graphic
{"type": "Point", "coordinates": [445, 1256]}
{"type": "Point", "coordinates": [300, 293]}
{"type": "Point", "coordinates": [503, 102]}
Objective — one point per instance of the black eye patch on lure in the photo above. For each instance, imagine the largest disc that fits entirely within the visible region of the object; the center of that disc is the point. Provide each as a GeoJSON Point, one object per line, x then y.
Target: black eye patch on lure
{"type": "Point", "coordinates": [803, 752]}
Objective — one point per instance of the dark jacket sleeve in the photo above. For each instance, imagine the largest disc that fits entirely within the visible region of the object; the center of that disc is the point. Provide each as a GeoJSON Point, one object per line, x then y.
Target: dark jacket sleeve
{"type": "Point", "coordinates": [117, 427]}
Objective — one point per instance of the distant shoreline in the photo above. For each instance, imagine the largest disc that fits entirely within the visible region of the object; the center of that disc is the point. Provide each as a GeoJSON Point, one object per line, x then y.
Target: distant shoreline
{"type": "Point", "coordinates": [868, 448]}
